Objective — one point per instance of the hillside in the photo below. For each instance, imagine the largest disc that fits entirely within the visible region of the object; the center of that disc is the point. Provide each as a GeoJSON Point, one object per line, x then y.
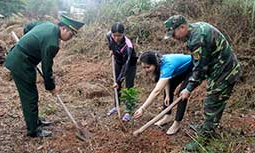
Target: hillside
{"type": "Point", "coordinates": [83, 72]}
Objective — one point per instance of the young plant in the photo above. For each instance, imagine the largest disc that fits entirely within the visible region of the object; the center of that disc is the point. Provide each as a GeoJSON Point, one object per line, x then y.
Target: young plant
{"type": "Point", "coordinates": [130, 96]}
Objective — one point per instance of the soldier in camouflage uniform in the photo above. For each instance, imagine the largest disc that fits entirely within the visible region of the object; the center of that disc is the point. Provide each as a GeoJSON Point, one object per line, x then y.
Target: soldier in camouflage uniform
{"type": "Point", "coordinates": [214, 61]}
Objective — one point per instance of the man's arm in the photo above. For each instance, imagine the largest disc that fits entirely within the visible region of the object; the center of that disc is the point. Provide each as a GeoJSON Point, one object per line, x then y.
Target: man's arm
{"type": "Point", "coordinates": [47, 56]}
{"type": "Point", "coordinates": [201, 59]}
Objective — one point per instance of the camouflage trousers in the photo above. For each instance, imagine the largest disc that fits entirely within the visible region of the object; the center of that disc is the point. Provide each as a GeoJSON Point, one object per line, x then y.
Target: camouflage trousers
{"type": "Point", "coordinates": [214, 105]}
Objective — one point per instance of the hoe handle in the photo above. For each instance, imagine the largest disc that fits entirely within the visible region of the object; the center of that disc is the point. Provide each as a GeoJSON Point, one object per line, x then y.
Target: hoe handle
{"type": "Point", "coordinates": [115, 89]}
{"type": "Point", "coordinates": [68, 112]}
{"type": "Point", "coordinates": [160, 115]}
{"type": "Point", "coordinates": [15, 36]}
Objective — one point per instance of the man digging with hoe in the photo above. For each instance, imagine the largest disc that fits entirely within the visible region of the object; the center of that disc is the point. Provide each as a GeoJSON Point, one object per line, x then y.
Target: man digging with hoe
{"type": "Point", "coordinates": [39, 44]}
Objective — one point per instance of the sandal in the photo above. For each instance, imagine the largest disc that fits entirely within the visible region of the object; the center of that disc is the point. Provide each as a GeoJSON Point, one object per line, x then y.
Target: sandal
{"type": "Point", "coordinates": [126, 117]}
{"type": "Point", "coordinates": [112, 111]}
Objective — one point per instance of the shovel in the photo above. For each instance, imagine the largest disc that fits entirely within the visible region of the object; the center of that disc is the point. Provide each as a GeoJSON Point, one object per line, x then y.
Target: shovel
{"type": "Point", "coordinates": [156, 118]}
{"type": "Point", "coordinates": [115, 89]}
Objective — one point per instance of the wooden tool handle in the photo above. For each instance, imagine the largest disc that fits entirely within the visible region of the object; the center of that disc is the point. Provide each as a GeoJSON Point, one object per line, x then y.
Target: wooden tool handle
{"type": "Point", "coordinates": [115, 89]}
{"type": "Point", "coordinates": [67, 111]}
{"type": "Point", "coordinates": [156, 118]}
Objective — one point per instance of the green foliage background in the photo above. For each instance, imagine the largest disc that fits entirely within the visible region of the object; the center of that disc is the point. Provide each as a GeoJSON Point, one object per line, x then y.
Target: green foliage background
{"type": "Point", "coordinates": [110, 10]}
{"type": "Point", "coordinates": [7, 7]}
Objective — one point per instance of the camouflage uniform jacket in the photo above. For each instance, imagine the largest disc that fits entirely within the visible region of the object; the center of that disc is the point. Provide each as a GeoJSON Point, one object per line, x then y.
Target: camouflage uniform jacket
{"type": "Point", "coordinates": [213, 58]}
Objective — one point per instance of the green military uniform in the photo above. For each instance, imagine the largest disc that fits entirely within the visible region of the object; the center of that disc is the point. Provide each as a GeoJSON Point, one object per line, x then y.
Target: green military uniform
{"type": "Point", "coordinates": [30, 26]}
{"type": "Point", "coordinates": [214, 61]}
{"type": "Point", "coordinates": [39, 44]}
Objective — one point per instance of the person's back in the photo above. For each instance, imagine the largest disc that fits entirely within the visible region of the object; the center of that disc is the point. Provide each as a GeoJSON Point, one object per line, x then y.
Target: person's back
{"type": "Point", "coordinates": [34, 42]}
{"type": "Point", "coordinates": [174, 64]}
{"type": "Point", "coordinates": [30, 26]}
{"type": "Point", "coordinates": [40, 44]}
{"type": "Point", "coordinates": [39, 39]}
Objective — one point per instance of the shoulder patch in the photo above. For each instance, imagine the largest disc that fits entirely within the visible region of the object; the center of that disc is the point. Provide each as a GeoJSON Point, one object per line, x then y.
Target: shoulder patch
{"type": "Point", "coordinates": [197, 53]}
{"type": "Point", "coordinates": [196, 56]}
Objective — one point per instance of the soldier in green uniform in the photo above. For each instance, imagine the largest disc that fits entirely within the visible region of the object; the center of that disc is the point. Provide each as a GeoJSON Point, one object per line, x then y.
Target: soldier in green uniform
{"type": "Point", "coordinates": [214, 61]}
{"type": "Point", "coordinates": [39, 44]}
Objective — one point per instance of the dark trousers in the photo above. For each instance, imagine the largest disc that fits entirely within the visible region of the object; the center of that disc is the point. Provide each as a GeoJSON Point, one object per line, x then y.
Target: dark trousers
{"type": "Point", "coordinates": [129, 78]}
{"type": "Point", "coordinates": [173, 83]}
{"type": "Point", "coordinates": [29, 101]}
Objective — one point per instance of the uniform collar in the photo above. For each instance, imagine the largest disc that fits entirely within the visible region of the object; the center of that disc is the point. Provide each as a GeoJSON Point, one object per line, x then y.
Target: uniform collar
{"type": "Point", "coordinates": [189, 32]}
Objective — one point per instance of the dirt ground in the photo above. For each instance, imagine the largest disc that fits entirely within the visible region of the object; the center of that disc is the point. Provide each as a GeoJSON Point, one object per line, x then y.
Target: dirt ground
{"type": "Point", "coordinates": [86, 92]}
{"type": "Point", "coordinates": [85, 82]}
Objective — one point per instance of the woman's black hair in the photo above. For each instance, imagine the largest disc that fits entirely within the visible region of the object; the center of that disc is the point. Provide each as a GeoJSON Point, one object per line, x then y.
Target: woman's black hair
{"type": "Point", "coordinates": [152, 58]}
{"type": "Point", "coordinates": [117, 27]}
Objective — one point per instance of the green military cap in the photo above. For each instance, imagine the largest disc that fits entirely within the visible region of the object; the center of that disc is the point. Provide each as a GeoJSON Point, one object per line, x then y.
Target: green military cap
{"type": "Point", "coordinates": [71, 23]}
{"type": "Point", "coordinates": [172, 23]}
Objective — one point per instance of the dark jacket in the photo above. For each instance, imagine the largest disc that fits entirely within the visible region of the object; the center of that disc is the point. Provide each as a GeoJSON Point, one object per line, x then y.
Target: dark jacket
{"type": "Point", "coordinates": [124, 54]}
{"type": "Point", "coordinates": [40, 44]}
